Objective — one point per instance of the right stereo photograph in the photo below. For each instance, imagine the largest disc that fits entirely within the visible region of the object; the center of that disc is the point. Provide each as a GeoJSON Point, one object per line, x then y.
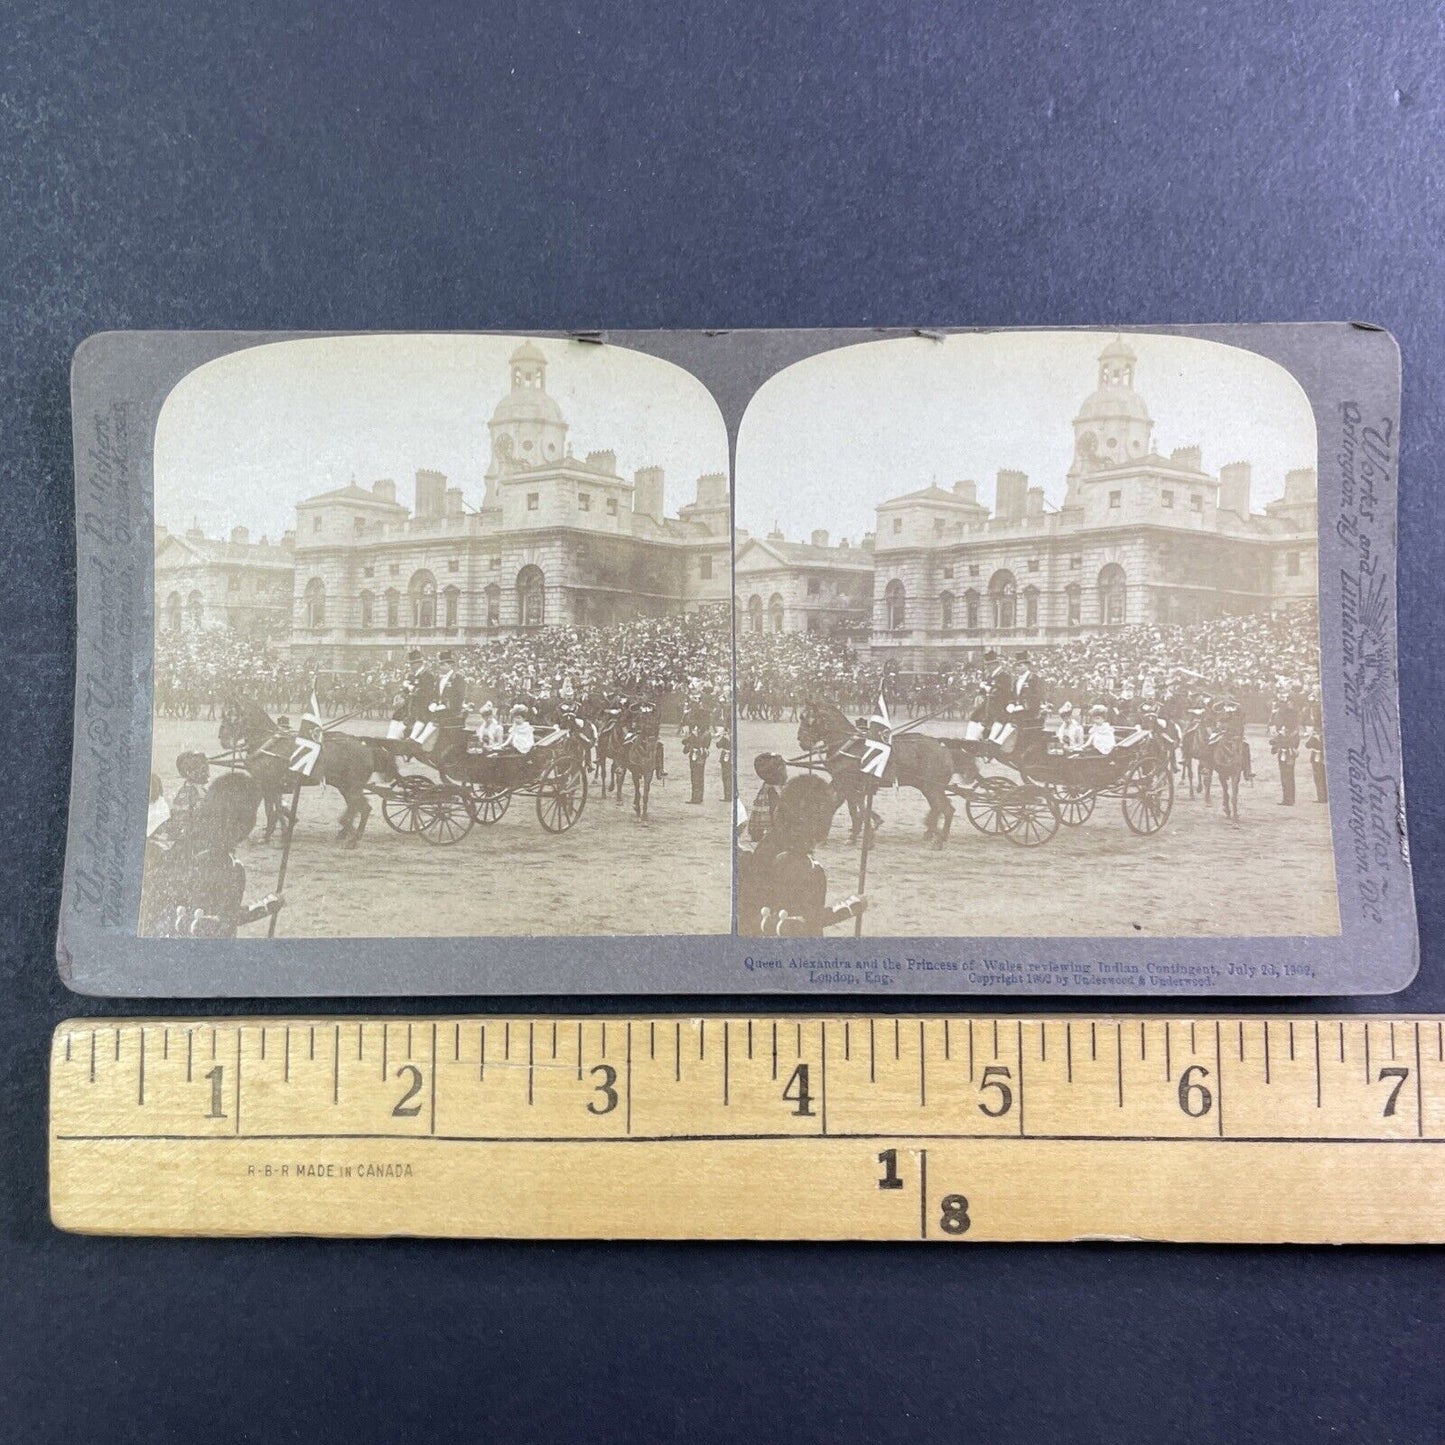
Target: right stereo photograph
{"type": "Point", "coordinates": [1028, 642]}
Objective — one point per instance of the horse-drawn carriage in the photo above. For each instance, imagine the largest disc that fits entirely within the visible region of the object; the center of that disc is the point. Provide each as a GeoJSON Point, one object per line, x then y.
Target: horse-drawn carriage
{"type": "Point", "coordinates": [476, 785]}
{"type": "Point", "coordinates": [1054, 788]}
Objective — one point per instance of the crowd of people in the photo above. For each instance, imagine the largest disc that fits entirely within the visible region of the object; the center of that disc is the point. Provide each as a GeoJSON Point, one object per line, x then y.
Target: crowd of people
{"type": "Point", "coordinates": [656, 657]}
{"type": "Point", "coordinates": [1252, 658]}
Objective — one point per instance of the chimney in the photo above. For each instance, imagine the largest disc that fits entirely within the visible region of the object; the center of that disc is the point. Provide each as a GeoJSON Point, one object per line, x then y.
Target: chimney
{"type": "Point", "coordinates": [1010, 498]}
{"type": "Point", "coordinates": [453, 504]}
{"type": "Point", "coordinates": [869, 538]}
{"type": "Point", "coordinates": [288, 538]}
{"type": "Point", "coordinates": [966, 492]}
{"type": "Point", "coordinates": [820, 537]}
{"type": "Point", "coordinates": [776, 536]}
{"type": "Point", "coordinates": [1189, 458]}
{"type": "Point", "coordinates": [647, 492]}
{"type": "Point", "coordinates": [1034, 502]}
{"type": "Point", "coordinates": [240, 536]}
{"type": "Point", "coordinates": [1300, 486]}
{"type": "Point", "coordinates": [712, 489]}
{"type": "Point", "coordinates": [384, 490]}
{"type": "Point", "coordinates": [1234, 483]}
{"type": "Point", "coordinates": [195, 534]}
{"type": "Point", "coordinates": [431, 491]}
{"type": "Point", "coordinates": [604, 462]}
{"type": "Point", "coordinates": [843, 543]}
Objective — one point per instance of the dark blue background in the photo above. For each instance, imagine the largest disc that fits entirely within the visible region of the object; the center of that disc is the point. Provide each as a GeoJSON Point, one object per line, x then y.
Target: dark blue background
{"type": "Point", "coordinates": [271, 163]}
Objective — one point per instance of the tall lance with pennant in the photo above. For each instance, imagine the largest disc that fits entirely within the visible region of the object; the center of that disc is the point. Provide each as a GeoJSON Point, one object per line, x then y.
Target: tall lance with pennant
{"type": "Point", "coordinates": [877, 754]}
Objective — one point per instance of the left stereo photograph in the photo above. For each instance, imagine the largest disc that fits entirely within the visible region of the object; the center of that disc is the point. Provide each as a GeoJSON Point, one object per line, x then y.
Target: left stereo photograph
{"type": "Point", "coordinates": [412, 588]}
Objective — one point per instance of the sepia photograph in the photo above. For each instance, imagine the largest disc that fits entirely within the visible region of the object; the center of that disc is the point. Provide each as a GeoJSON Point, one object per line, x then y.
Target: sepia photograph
{"type": "Point", "coordinates": [442, 644]}
{"type": "Point", "coordinates": [1028, 642]}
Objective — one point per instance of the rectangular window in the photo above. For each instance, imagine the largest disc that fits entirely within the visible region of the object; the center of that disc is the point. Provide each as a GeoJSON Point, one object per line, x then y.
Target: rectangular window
{"type": "Point", "coordinates": [1033, 564]}
{"type": "Point", "coordinates": [358, 525]}
{"type": "Point", "coordinates": [814, 586]}
{"type": "Point", "coordinates": [316, 524]}
{"type": "Point", "coordinates": [233, 582]}
{"type": "Point", "coordinates": [938, 525]}
{"type": "Point", "coordinates": [1075, 563]}
{"type": "Point", "coordinates": [1196, 503]}
{"type": "Point", "coordinates": [453, 565]}
{"type": "Point", "coordinates": [948, 570]}
{"type": "Point", "coordinates": [1116, 499]}
{"type": "Point", "coordinates": [1291, 563]}
{"type": "Point", "coordinates": [704, 567]}
{"type": "Point", "coordinates": [534, 501]}
{"type": "Point", "coordinates": [584, 501]}
{"type": "Point", "coordinates": [1166, 499]}
{"type": "Point", "coordinates": [368, 571]}
{"type": "Point", "coordinates": [494, 563]}
{"type": "Point", "coordinates": [612, 506]}
{"type": "Point", "coordinates": [973, 569]}
{"type": "Point", "coordinates": [395, 568]}
{"type": "Point", "coordinates": [897, 525]}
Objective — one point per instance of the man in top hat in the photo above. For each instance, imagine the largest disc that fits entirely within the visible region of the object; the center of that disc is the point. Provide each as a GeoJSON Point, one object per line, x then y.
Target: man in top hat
{"type": "Point", "coordinates": [998, 695]}
{"type": "Point", "coordinates": [449, 708]}
{"type": "Point", "coordinates": [418, 690]}
{"type": "Point", "coordinates": [1026, 711]}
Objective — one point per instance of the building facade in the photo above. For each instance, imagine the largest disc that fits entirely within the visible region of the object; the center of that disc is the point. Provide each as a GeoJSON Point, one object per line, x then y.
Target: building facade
{"type": "Point", "coordinates": [1139, 538]}
{"type": "Point", "coordinates": [808, 586]}
{"type": "Point", "coordinates": [207, 582]}
{"type": "Point", "coordinates": [558, 539]}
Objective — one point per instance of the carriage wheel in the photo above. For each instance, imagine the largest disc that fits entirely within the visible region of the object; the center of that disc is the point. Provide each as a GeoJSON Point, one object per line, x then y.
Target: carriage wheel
{"type": "Point", "coordinates": [489, 807]}
{"type": "Point", "coordinates": [1148, 798]}
{"type": "Point", "coordinates": [402, 810]}
{"type": "Point", "coordinates": [986, 806]}
{"type": "Point", "coordinates": [561, 796]}
{"type": "Point", "coordinates": [1075, 805]}
{"type": "Point", "coordinates": [446, 817]}
{"type": "Point", "coordinates": [1034, 817]}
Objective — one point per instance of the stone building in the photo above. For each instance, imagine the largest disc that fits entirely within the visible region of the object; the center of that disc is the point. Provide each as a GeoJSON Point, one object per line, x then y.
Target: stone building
{"type": "Point", "coordinates": [808, 586]}
{"type": "Point", "coordinates": [203, 582]}
{"type": "Point", "coordinates": [556, 539]}
{"type": "Point", "coordinates": [1139, 538]}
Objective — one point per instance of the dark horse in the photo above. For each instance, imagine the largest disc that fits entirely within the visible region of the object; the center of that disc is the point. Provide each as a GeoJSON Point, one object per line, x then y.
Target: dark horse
{"type": "Point", "coordinates": [1224, 753]}
{"type": "Point", "coordinates": [916, 762]}
{"type": "Point", "coordinates": [347, 763]}
{"type": "Point", "coordinates": [633, 751]}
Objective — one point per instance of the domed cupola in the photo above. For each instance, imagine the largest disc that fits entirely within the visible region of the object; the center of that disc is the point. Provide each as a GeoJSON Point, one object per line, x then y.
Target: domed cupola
{"type": "Point", "coordinates": [1113, 427]}
{"type": "Point", "coordinates": [527, 428]}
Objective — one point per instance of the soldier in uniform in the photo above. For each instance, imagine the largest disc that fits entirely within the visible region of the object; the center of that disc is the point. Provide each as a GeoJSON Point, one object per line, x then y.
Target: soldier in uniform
{"type": "Point", "coordinates": [1314, 742]}
{"type": "Point", "coordinates": [773, 770]}
{"type": "Point", "coordinates": [199, 886]}
{"type": "Point", "coordinates": [696, 739]}
{"type": "Point", "coordinates": [1284, 744]}
{"type": "Point", "coordinates": [725, 761]}
{"type": "Point", "coordinates": [782, 889]}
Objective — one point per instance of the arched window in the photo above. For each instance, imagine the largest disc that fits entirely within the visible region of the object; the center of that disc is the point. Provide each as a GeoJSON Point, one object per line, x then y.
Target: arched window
{"type": "Point", "coordinates": [393, 609]}
{"type": "Point", "coordinates": [451, 607]}
{"type": "Point", "coordinates": [173, 612]}
{"type": "Point", "coordinates": [755, 613]}
{"type": "Point", "coordinates": [1031, 606]}
{"type": "Point", "coordinates": [314, 600]}
{"type": "Point", "coordinates": [1113, 595]}
{"type": "Point", "coordinates": [1075, 596]}
{"type": "Point", "coordinates": [945, 611]}
{"type": "Point", "coordinates": [970, 609]}
{"type": "Point", "coordinates": [531, 599]}
{"type": "Point", "coordinates": [422, 593]}
{"type": "Point", "coordinates": [1003, 596]}
{"type": "Point", "coordinates": [775, 612]}
{"type": "Point", "coordinates": [368, 611]}
{"type": "Point", "coordinates": [895, 606]}
{"type": "Point", "coordinates": [494, 605]}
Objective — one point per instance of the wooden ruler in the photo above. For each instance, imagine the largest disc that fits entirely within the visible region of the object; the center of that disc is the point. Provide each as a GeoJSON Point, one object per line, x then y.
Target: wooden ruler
{"type": "Point", "coordinates": [764, 1127]}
